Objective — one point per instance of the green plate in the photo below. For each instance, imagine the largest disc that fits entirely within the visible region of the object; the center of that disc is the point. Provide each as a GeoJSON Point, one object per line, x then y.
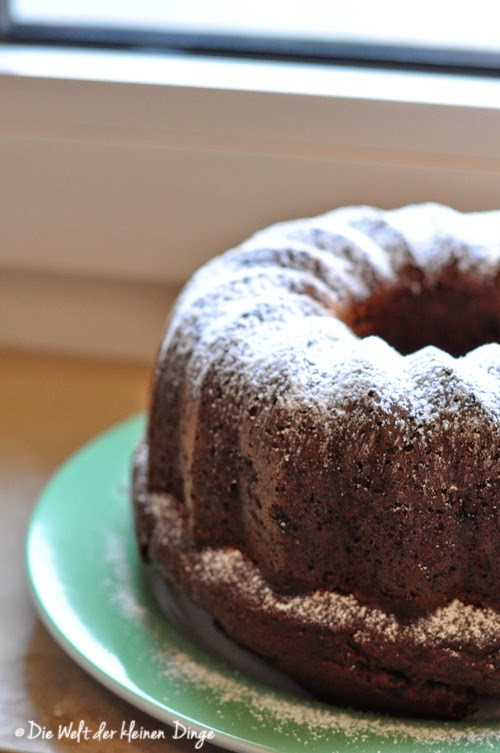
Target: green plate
{"type": "Point", "coordinates": [89, 587]}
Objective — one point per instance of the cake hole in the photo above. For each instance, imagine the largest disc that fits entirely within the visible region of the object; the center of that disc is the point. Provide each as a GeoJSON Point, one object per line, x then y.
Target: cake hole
{"type": "Point", "coordinates": [451, 315]}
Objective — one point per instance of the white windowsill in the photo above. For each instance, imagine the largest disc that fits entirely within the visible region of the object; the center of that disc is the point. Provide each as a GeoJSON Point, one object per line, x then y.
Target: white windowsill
{"type": "Point", "coordinates": [180, 70]}
{"type": "Point", "coordinates": [134, 166]}
{"type": "Point", "coordinates": [144, 165]}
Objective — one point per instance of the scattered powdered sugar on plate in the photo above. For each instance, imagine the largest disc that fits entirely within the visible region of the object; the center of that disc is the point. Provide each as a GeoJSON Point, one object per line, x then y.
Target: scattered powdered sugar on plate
{"type": "Point", "coordinates": [316, 720]}
{"type": "Point", "coordinates": [121, 573]}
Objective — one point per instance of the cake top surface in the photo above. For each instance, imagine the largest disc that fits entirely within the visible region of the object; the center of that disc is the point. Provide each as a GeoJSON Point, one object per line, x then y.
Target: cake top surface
{"type": "Point", "coordinates": [270, 311]}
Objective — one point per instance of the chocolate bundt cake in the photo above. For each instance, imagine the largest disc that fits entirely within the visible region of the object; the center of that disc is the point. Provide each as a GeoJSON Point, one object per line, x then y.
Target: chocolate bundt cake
{"type": "Point", "coordinates": [321, 465]}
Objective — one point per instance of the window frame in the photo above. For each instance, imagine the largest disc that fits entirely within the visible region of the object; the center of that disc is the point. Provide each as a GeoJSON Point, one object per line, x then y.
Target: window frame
{"type": "Point", "coordinates": [335, 51]}
{"type": "Point", "coordinates": [217, 149]}
{"type": "Point", "coordinates": [186, 127]}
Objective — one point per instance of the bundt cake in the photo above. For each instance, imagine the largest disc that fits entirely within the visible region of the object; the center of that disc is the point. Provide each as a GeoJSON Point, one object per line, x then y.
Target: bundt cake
{"type": "Point", "coordinates": [321, 464]}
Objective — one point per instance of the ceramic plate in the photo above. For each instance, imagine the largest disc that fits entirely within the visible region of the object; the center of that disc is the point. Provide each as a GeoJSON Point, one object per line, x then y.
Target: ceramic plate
{"type": "Point", "coordinates": [92, 595]}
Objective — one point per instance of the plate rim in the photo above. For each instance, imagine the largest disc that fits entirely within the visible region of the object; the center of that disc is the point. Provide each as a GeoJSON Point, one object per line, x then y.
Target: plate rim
{"type": "Point", "coordinates": [159, 711]}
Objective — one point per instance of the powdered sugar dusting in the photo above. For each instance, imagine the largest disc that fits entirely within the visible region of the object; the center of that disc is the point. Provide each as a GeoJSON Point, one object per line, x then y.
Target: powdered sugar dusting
{"type": "Point", "coordinates": [456, 623]}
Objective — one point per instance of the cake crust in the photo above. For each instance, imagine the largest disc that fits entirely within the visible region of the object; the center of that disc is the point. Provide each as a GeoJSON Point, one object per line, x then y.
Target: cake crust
{"type": "Point", "coordinates": [322, 412]}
